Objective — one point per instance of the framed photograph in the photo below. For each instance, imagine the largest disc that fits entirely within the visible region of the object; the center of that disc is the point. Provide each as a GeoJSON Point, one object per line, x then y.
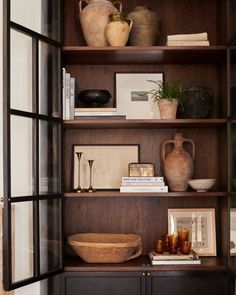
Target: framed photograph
{"type": "Point", "coordinates": [233, 232]}
{"type": "Point", "coordinates": [141, 170]}
{"type": "Point", "coordinates": [111, 162]}
{"type": "Point", "coordinates": [132, 95]}
{"type": "Point", "coordinates": [201, 226]}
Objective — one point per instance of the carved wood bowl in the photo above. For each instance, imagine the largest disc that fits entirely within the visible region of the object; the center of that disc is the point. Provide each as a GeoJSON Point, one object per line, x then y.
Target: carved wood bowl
{"type": "Point", "coordinates": [106, 247]}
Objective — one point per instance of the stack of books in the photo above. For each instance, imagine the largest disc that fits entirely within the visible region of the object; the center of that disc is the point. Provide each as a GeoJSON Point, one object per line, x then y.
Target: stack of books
{"type": "Point", "coordinates": [68, 95]}
{"type": "Point", "coordinates": [174, 259]}
{"type": "Point", "coordinates": [200, 39]}
{"type": "Point", "coordinates": [143, 185]}
{"type": "Point", "coordinates": [97, 113]}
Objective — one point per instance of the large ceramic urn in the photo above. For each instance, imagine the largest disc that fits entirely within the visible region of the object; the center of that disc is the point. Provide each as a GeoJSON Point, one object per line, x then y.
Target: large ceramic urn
{"type": "Point", "coordinates": [178, 164]}
{"type": "Point", "coordinates": [146, 27]}
{"type": "Point", "coordinates": [94, 18]}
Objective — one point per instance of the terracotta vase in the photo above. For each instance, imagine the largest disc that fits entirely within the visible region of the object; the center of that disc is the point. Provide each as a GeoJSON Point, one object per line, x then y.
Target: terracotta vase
{"type": "Point", "coordinates": [178, 164]}
{"type": "Point", "coordinates": [168, 108]}
{"type": "Point", "coordinates": [94, 18]}
{"type": "Point", "coordinates": [146, 26]}
{"type": "Point", "coordinates": [118, 29]}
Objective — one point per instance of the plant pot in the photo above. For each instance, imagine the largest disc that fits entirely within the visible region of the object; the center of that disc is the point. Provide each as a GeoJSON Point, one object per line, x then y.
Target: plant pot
{"type": "Point", "coordinates": [168, 108]}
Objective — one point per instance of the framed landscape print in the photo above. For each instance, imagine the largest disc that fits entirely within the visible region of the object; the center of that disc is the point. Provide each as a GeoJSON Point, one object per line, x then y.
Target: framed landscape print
{"type": "Point", "coordinates": [201, 226]}
{"type": "Point", "coordinates": [133, 97]}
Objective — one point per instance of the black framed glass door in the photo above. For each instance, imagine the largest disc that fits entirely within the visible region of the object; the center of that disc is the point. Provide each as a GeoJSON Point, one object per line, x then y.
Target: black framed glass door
{"type": "Point", "coordinates": [32, 141]}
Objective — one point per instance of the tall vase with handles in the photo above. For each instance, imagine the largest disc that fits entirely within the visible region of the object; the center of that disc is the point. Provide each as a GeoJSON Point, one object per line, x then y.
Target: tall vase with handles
{"type": "Point", "coordinates": [94, 18]}
{"type": "Point", "coordinates": [118, 29]}
{"type": "Point", "coordinates": [178, 164]}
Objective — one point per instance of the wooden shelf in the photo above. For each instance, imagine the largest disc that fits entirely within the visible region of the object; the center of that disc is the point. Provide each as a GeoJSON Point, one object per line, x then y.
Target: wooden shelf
{"type": "Point", "coordinates": [143, 55]}
{"type": "Point", "coordinates": [115, 194]}
{"type": "Point", "coordinates": [135, 124]}
{"type": "Point", "coordinates": [143, 264]}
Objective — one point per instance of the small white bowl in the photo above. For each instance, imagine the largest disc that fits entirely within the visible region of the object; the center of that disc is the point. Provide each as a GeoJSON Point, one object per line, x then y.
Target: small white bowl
{"type": "Point", "coordinates": [201, 185]}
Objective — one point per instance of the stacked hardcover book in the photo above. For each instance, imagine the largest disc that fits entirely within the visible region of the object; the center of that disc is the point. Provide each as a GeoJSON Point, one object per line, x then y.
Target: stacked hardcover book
{"type": "Point", "coordinates": [143, 184]}
{"type": "Point", "coordinates": [68, 95]}
{"type": "Point", "coordinates": [174, 259]}
{"type": "Point", "coordinates": [97, 113]}
{"type": "Point", "coordinates": [200, 39]}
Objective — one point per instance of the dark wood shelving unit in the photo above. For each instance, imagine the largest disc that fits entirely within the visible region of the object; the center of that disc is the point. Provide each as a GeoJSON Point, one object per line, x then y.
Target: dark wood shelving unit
{"type": "Point", "coordinates": [136, 124]}
{"type": "Point", "coordinates": [143, 264]}
{"type": "Point", "coordinates": [117, 194]}
{"type": "Point", "coordinates": [143, 55]}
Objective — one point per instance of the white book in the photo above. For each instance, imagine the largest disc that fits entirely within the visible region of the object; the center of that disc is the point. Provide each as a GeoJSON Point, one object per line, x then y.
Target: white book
{"type": "Point", "coordinates": [142, 179]}
{"type": "Point", "coordinates": [144, 189]}
{"type": "Point", "coordinates": [175, 262]}
{"type": "Point", "coordinates": [198, 37]}
{"type": "Point", "coordinates": [96, 110]}
{"type": "Point", "coordinates": [72, 97]}
{"type": "Point", "coordinates": [166, 256]}
{"type": "Point", "coordinates": [187, 43]}
{"type": "Point", "coordinates": [64, 92]}
{"type": "Point", "coordinates": [67, 95]}
{"type": "Point", "coordinates": [78, 114]}
{"type": "Point", "coordinates": [161, 183]}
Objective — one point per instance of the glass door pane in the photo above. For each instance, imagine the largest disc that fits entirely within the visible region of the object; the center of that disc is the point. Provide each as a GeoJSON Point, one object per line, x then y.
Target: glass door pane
{"type": "Point", "coordinates": [22, 241]}
{"type": "Point", "coordinates": [49, 80]}
{"type": "Point", "coordinates": [21, 72]}
{"type": "Point", "coordinates": [50, 235]}
{"type": "Point", "coordinates": [49, 158]}
{"type": "Point", "coordinates": [22, 157]}
{"type": "Point", "coordinates": [41, 16]}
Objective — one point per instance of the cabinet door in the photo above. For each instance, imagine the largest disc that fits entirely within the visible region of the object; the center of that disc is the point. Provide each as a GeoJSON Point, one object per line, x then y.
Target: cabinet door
{"type": "Point", "coordinates": [232, 155]}
{"type": "Point", "coordinates": [105, 283]}
{"type": "Point", "coordinates": [190, 284]}
{"type": "Point", "coordinates": [32, 141]}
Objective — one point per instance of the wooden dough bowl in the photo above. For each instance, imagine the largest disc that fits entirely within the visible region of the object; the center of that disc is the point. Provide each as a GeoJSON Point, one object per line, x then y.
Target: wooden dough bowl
{"type": "Point", "coordinates": [106, 247]}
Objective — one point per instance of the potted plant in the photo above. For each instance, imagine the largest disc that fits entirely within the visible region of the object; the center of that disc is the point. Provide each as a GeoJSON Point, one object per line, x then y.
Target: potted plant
{"type": "Point", "coordinates": [168, 95]}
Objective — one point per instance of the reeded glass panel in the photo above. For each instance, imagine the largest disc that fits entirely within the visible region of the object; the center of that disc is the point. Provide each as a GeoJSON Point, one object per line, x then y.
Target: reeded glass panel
{"type": "Point", "coordinates": [49, 158]}
{"type": "Point", "coordinates": [22, 156]}
{"type": "Point", "coordinates": [49, 80]}
{"type": "Point", "coordinates": [41, 16]}
{"type": "Point", "coordinates": [233, 81]}
{"type": "Point", "coordinates": [21, 72]}
{"type": "Point", "coordinates": [50, 235]}
{"type": "Point", "coordinates": [22, 241]}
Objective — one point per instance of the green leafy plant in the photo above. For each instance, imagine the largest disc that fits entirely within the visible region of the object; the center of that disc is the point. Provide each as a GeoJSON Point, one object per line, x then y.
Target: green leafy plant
{"type": "Point", "coordinates": [167, 90]}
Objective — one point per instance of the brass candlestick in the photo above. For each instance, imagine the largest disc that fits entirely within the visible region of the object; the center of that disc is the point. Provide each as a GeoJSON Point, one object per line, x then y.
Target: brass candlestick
{"type": "Point", "coordinates": [79, 189]}
{"type": "Point", "coordinates": [90, 189]}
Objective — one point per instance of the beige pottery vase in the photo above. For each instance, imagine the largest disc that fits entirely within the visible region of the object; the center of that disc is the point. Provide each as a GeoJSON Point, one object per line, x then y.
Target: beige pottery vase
{"type": "Point", "coordinates": [146, 28]}
{"type": "Point", "coordinates": [118, 29]}
{"type": "Point", "coordinates": [94, 18]}
{"type": "Point", "coordinates": [178, 164]}
{"type": "Point", "coordinates": [168, 108]}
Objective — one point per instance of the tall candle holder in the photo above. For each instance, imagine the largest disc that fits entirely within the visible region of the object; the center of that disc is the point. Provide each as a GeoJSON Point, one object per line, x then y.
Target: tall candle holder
{"type": "Point", "coordinates": [90, 189]}
{"type": "Point", "coordinates": [79, 189]}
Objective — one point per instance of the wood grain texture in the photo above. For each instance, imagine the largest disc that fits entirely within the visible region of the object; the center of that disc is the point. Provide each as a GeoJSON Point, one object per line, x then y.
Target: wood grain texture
{"type": "Point", "coordinates": [177, 16]}
{"type": "Point", "coordinates": [87, 77]}
{"type": "Point", "coordinates": [146, 217]}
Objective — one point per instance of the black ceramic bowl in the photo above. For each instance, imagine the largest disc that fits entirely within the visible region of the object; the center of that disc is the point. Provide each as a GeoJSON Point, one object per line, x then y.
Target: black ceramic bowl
{"type": "Point", "coordinates": [94, 97]}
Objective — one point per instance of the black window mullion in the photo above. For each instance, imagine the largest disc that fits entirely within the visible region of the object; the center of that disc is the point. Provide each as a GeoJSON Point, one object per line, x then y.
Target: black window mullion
{"type": "Point", "coordinates": [7, 249]}
{"type": "Point", "coordinates": [35, 95]}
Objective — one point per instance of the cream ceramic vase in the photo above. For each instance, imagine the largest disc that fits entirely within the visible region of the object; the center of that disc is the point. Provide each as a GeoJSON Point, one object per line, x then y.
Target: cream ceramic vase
{"type": "Point", "coordinates": [168, 108]}
{"type": "Point", "coordinates": [94, 18]}
{"type": "Point", "coordinates": [178, 164]}
{"type": "Point", "coordinates": [146, 28]}
{"type": "Point", "coordinates": [118, 29]}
